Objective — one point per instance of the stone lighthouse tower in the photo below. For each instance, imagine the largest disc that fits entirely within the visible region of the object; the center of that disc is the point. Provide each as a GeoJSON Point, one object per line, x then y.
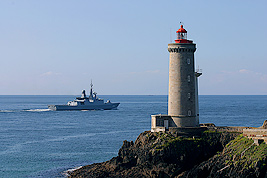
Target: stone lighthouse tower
{"type": "Point", "coordinates": [183, 88]}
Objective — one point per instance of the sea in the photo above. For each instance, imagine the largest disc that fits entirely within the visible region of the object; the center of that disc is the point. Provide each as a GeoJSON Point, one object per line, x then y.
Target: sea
{"type": "Point", "coordinates": [37, 142]}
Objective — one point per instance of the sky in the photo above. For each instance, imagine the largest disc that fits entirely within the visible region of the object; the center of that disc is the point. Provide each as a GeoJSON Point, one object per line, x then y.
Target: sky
{"type": "Point", "coordinates": [57, 47]}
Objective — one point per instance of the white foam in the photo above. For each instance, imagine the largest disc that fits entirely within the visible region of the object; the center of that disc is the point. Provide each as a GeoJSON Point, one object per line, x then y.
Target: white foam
{"type": "Point", "coordinates": [38, 110]}
{"type": "Point", "coordinates": [67, 172]}
{"type": "Point", "coordinates": [7, 111]}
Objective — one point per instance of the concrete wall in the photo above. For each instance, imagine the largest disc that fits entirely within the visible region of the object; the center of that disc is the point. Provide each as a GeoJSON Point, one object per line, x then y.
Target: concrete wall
{"type": "Point", "coordinates": [158, 122]}
{"type": "Point", "coordinates": [256, 134]}
{"type": "Point", "coordinates": [164, 122]}
{"type": "Point", "coordinates": [228, 129]}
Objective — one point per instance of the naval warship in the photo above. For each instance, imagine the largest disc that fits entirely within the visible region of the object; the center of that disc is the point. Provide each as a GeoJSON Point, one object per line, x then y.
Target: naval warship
{"type": "Point", "coordinates": [85, 103]}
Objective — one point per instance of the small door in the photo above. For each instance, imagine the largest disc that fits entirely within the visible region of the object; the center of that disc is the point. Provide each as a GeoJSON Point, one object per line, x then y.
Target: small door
{"type": "Point", "coordinates": [166, 124]}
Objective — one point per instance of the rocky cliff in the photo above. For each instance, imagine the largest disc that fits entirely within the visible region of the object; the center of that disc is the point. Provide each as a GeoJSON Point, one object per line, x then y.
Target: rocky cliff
{"type": "Point", "coordinates": [213, 154]}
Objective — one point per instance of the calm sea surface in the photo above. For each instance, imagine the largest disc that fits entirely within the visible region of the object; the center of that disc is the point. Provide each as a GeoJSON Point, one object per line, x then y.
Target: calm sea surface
{"type": "Point", "coordinates": [36, 142]}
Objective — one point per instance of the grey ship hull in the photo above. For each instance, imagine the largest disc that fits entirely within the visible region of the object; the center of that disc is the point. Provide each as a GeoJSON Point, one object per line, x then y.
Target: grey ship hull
{"type": "Point", "coordinates": [105, 106]}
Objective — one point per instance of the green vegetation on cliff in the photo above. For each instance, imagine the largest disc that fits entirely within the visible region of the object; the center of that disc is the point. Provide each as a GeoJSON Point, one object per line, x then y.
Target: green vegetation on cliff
{"type": "Point", "coordinates": [183, 144]}
{"type": "Point", "coordinates": [239, 158]}
{"type": "Point", "coordinates": [243, 152]}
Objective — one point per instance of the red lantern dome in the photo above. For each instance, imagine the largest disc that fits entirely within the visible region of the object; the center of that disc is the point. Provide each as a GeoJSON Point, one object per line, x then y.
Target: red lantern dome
{"type": "Point", "coordinates": [181, 30]}
{"type": "Point", "coordinates": [182, 36]}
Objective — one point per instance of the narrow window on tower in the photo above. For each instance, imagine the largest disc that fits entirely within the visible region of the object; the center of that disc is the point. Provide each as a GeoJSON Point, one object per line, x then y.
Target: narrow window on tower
{"type": "Point", "coordinates": [189, 112]}
{"type": "Point", "coordinates": [189, 95]}
{"type": "Point", "coordinates": [188, 61]}
{"type": "Point", "coordinates": [188, 78]}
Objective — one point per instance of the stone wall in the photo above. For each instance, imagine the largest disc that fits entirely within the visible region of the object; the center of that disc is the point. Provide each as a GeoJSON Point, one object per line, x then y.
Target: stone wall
{"type": "Point", "coordinates": [182, 99]}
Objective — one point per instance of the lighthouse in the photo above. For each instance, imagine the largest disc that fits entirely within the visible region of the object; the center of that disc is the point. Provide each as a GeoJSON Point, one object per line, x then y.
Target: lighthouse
{"type": "Point", "coordinates": [183, 87]}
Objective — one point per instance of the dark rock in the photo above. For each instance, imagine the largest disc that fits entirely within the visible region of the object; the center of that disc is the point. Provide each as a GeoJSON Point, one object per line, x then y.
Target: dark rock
{"type": "Point", "coordinates": [163, 155]}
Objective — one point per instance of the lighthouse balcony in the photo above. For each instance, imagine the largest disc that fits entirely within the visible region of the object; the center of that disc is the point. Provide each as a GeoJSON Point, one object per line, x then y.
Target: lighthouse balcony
{"type": "Point", "coordinates": [183, 41]}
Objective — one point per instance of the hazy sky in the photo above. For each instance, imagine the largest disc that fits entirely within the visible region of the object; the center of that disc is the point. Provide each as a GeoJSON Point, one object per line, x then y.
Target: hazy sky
{"type": "Point", "coordinates": [57, 47]}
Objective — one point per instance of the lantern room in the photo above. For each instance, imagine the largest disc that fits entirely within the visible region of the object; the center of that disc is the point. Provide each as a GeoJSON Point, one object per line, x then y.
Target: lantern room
{"type": "Point", "coordinates": [182, 36]}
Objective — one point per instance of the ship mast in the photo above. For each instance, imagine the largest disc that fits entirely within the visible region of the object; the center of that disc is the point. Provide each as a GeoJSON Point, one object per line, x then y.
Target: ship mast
{"type": "Point", "coordinates": [91, 91]}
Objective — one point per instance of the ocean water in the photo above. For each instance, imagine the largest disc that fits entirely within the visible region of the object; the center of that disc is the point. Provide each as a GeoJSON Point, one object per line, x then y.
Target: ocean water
{"type": "Point", "coordinates": [37, 142]}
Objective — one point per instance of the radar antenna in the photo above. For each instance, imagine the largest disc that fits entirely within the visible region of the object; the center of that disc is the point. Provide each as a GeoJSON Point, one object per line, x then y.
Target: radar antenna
{"type": "Point", "coordinates": [91, 84]}
{"type": "Point", "coordinates": [91, 90]}
{"type": "Point", "coordinates": [171, 34]}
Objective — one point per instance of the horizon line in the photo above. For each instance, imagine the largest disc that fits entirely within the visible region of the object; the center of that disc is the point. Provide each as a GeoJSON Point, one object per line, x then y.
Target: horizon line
{"type": "Point", "coordinates": [132, 95]}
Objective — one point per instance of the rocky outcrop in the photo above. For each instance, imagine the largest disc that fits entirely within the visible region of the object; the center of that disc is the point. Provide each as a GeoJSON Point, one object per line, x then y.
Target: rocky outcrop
{"type": "Point", "coordinates": [264, 125]}
{"type": "Point", "coordinates": [214, 154]}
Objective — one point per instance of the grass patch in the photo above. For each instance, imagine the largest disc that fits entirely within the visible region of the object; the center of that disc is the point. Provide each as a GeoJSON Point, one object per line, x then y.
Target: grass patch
{"type": "Point", "coordinates": [243, 152]}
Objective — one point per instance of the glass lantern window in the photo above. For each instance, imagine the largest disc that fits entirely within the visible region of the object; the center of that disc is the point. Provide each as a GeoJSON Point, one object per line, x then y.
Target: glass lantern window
{"type": "Point", "coordinates": [182, 36]}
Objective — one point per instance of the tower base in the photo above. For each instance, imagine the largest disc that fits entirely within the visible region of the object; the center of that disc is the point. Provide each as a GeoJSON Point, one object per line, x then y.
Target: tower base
{"type": "Point", "coordinates": [162, 123]}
